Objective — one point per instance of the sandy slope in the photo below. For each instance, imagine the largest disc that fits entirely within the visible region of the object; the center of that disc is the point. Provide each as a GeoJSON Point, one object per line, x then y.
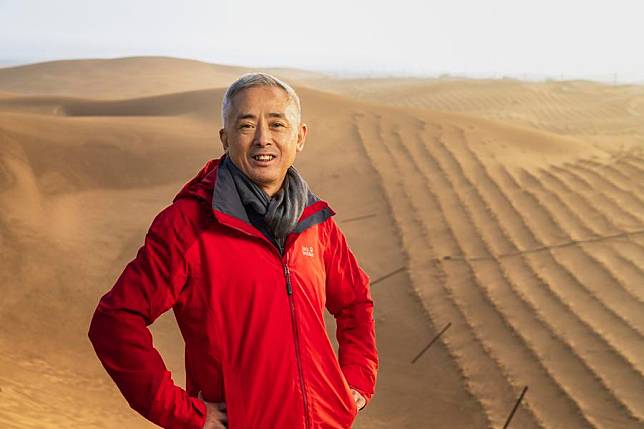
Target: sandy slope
{"type": "Point", "coordinates": [594, 110]}
{"type": "Point", "coordinates": [126, 77]}
{"type": "Point", "coordinates": [526, 238]}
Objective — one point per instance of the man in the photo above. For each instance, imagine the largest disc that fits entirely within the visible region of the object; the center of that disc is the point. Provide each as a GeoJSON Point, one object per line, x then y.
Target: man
{"type": "Point", "coordinates": [248, 258]}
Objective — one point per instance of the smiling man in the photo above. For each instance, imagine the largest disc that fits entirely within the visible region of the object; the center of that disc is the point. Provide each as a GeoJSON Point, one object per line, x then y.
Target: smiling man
{"type": "Point", "coordinates": [248, 258]}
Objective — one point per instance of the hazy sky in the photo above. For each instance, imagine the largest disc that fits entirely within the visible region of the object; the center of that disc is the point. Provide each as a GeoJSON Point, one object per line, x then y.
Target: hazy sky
{"type": "Point", "coordinates": [569, 37]}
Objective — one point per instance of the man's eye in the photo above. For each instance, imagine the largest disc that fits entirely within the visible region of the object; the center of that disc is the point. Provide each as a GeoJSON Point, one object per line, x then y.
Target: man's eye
{"type": "Point", "coordinates": [279, 124]}
{"type": "Point", "coordinates": [245, 126]}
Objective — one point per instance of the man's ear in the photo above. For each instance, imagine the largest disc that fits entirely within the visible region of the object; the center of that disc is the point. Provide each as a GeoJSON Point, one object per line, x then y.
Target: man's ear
{"type": "Point", "coordinates": [301, 137]}
{"type": "Point", "coordinates": [224, 139]}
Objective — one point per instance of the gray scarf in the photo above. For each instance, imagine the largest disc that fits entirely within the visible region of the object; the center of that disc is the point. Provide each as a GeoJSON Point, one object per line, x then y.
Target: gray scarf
{"type": "Point", "coordinates": [283, 210]}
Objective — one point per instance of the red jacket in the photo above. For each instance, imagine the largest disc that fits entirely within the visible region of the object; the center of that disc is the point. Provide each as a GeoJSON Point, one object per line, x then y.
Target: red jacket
{"type": "Point", "coordinates": [252, 319]}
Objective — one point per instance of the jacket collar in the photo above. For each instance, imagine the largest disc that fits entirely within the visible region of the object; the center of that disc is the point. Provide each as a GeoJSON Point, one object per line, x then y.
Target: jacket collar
{"type": "Point", "coordinates": [215, 186]}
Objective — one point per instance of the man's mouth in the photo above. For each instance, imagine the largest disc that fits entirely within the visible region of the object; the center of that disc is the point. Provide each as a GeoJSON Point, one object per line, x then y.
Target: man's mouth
{"type": "Point", "coordinates": [264, 158]}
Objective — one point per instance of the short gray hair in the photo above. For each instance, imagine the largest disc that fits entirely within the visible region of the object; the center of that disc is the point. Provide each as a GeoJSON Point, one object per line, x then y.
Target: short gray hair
{"type": "Point", "coordinates": [249, 80]}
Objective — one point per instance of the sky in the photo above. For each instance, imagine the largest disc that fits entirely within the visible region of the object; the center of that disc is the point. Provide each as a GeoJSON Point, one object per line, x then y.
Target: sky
{"type": "Point", "coordinates": [564, 38]}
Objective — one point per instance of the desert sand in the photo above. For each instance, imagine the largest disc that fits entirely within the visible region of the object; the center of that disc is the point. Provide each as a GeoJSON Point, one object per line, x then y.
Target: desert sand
{"type": "Point", "coordinates": [513, 211]}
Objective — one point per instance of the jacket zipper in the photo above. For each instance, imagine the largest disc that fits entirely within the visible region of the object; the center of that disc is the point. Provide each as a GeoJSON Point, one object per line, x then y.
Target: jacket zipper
{"type": "Point", "coordinates": [289, 291]}
{"type": "Point", "coordinates": [296, 339]}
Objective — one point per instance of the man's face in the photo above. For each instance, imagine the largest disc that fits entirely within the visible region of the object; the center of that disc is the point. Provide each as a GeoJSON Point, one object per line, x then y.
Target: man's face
{"type": "Point", "coordinates": [262, 136]}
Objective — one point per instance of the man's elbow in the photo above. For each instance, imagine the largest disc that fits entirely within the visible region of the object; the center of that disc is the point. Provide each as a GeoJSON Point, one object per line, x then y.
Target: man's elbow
{"type": "Point", "coordinates": [95, 328]}
{"type": "Point", "coordinates": [102, 327]}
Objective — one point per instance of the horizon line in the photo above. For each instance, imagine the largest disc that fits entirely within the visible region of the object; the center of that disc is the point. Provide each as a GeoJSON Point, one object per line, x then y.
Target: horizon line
{"type": "Point", "coordinates": [369, 72]}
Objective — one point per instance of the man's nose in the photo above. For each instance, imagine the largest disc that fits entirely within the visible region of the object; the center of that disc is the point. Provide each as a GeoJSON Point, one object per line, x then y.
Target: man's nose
{"type": "Point", "coordinates": [262, 134]}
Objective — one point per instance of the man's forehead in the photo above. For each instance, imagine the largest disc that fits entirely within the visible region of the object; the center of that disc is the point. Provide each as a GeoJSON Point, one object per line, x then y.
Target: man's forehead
{"type": "Point", "coordinates": [252, 115]}
{"type": "Point", "coordinates": [273, 101]}
{"type": "Point", "coordinates": [266, 94]}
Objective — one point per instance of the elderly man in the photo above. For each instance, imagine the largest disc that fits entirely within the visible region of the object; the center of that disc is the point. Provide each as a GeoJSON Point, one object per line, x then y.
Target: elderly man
{"type": "Point", "coordinates": [248, 258]}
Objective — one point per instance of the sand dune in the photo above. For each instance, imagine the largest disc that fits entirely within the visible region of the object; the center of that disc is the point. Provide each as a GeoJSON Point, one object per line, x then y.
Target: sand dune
{"type": "Point", "coordinates": [160, 105]}
{"type": "Point", "coordinates": [505, 248]}
{"type": "Point", "coordinates": [127, 77]}
{"type": "Point", "coordinates": [582, 108]}
{"type": "Point", "coordinates": [118, 78]}
{"type": "Point", "coordinates": [513, 211]}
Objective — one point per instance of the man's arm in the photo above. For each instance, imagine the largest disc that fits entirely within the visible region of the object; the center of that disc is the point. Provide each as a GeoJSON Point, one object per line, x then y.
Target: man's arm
{"type": "Point", "coordinates": [149, 286]}
{"type": "Point", "coordinates": [349, 300]}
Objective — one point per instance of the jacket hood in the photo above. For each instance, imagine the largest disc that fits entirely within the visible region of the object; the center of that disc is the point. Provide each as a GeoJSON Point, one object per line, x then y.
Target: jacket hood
{"type": "Point", "coordinates": [216, 187]}
{"type": "Point", "coordinates": [201, 186]}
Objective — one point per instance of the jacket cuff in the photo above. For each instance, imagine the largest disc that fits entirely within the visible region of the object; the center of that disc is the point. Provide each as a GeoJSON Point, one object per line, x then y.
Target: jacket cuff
{"type": "Point", "coordinates": [360, 380]}
{"type": "Point", "coordinates": [174, 408]}
{"type": "Point", "coordinates": [366, 396]}
{"type": "Point", "coordinates": [195, 418]}
{"type": "Point", "coordinates": [199, 418]}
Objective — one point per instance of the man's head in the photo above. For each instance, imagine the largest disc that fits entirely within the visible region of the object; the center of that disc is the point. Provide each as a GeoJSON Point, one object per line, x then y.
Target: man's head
{"type": "Point", "coordinates": [262, 130]}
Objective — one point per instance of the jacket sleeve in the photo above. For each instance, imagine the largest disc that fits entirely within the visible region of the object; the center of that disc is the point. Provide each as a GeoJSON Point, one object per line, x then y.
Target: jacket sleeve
{"type": "Point", "coordinates": [149, 286]}
{"type": "Point", "coordinates": [348, 298]}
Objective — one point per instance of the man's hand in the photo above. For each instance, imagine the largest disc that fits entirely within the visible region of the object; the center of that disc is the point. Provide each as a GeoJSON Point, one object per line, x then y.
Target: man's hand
{"type": "Point", "coordinates": [360, 400]}
{"type": "Point", "coordinates": [216, 417]}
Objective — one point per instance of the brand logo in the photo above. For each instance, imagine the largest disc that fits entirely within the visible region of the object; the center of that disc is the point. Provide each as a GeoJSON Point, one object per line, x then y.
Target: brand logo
{"type": "Point", "coordinates": [307, 251]}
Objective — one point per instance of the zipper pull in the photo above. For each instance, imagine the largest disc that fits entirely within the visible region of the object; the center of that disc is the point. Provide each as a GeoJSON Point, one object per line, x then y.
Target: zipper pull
{"type": "Point", "coordinates": [288, 280]}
